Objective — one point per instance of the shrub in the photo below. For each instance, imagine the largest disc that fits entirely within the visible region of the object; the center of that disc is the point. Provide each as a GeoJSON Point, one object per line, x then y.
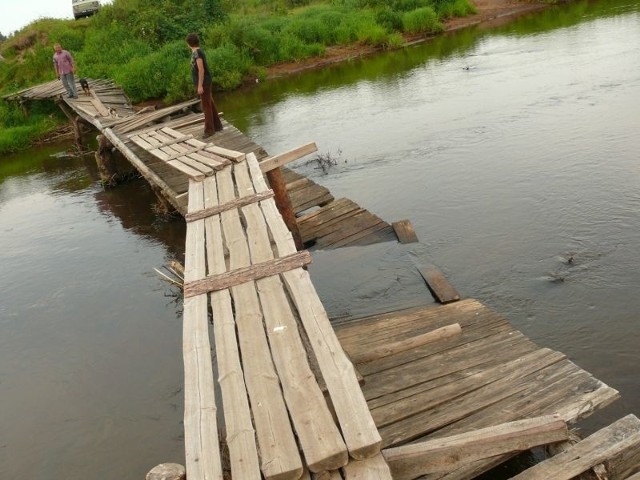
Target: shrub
{"type": "Point", "coordinates": [421, 20]}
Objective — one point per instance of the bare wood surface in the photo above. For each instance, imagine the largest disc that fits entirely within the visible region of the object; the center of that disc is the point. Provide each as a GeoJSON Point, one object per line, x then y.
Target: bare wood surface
{"type": "Point", "coordinates": [283, 203]}
{"type": "Point", "coordinates": [240, 436]}
{"type": "Point", "coordinates": [442, 290]}
{"type": "Point", "coordinates": [202, 451]}
{"type": "Point", "coordinates": [445, 454]}
{"type": "Point", "coordinates": [593, 450]}
{"type": "Point", "coordinates": [304, 398]}
{"type": "Point", "coordinates": [405, 231]}
{"type": "Point", "coordinates": [246, 274]}
{"type": "Point", "coordinates": [409, 343]}
{"type": "Point", "coordinates": [236, 203]}
{"type": "Point", "coordinates": [374, 468]}
{"type": "Point", "coordinates": [279, 457]}
{"type": "Point", "coordinates": [358, 428]}
{"type": "Point", "coordinates": [282, 159]}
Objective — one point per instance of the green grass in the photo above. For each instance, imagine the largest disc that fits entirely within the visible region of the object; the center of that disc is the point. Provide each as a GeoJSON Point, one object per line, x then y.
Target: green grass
{"type": "Point", "coordinates": [140, 43]}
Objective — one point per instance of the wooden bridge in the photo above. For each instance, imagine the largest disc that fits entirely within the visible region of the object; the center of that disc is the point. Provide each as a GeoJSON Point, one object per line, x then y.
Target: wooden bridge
{"type": "Point", "coordinates": [440, 392]}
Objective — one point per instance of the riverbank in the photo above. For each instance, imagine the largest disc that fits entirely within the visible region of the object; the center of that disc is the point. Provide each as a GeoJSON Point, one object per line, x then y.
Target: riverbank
{"type": "Point", "coordinates": [489, 13]}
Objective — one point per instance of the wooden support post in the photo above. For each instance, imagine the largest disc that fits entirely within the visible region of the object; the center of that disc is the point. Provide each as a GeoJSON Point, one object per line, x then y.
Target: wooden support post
{"type": "Point", "coordinates": [74, 120]}
{"type": "Point", "coordinates": [279, 187]}
{"type": "Point", "coordinates": [106, 161]}
{"type": "Point", "coordinates": [162, 206]}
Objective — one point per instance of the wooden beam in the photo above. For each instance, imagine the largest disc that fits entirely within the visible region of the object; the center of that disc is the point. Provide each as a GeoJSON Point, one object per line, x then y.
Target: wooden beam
{"type": "Point", "coordinates": [439, 286]}
{"type": "Point", "coordinates": [237, 203]}
{"type": "Point", "coordinates": [283, 202]}
{"type": "Point", "coordinates": [254, 272]}
{"type": "Point", "coordinates": [404, 231]}
{"type": "Point", "coordinates": [147, 173]}
{"type": "Point", "coordinates": [409, 343]}
{"type": "Point", "coordinates": [374, 468]}
{"type": "Point", "coordinates": [282, 159]}
{"type": "Point", "coordinates": [202, 449]}
{"type": "Point", "coordinates": [606, 443]}
{"type": "Point", "coordinates": [447, 454]}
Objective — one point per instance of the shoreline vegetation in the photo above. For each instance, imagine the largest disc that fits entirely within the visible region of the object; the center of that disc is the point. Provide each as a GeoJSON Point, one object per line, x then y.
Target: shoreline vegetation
{"type": "Point", "coordinates": [140, 44]}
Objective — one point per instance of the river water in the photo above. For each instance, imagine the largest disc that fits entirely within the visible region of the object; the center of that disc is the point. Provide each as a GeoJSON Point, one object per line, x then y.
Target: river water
{"type": "Point", "coordinates": [512, 151]}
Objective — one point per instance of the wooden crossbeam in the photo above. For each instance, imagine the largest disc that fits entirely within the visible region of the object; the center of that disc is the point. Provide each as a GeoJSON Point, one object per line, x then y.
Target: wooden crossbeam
{"type": "Point", "coordinates": [605, 444]}
{"type": "Point", "coordinates": [179, 154]}
{"type": "Point", "coordinates": [183, 138]}
{"type": "Point", "coordinates": [241, 275]}
{"type": "Point", "coordinates": [237, 203]}
{"type": "Point", "coordinates": [282, 159]}
{"type": "Point", "coordinates": [409, 343]}
{"type": "Point", "coordinates": [447, 454]}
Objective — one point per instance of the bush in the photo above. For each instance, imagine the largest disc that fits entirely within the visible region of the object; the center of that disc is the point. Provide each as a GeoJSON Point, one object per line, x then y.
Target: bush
{"type": "Point", "coordinates": [421, 20]}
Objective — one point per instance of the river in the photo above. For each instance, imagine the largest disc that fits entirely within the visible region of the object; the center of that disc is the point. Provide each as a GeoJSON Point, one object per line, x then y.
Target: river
{"type": "Point", "coordinates": [512, 151]}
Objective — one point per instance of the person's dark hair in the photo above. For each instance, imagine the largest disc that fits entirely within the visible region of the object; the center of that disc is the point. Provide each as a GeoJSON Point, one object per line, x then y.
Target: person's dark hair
{"type": "Point", "coordinates": [193, 40]}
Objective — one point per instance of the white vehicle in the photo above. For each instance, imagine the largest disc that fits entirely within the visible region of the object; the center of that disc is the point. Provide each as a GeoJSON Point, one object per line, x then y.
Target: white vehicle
{"type": "Point", "coordinates": [85, 8]}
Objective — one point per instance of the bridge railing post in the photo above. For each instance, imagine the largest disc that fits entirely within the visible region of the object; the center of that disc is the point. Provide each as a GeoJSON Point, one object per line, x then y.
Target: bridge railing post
{"type": "Point", "coordinates": [283, 202]}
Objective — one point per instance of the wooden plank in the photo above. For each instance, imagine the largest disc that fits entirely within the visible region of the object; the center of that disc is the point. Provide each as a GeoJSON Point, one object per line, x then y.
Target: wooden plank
{"type": "Point", "coordinates": [429, 396]}
{"type": "Point", "coordinates": [259, 271]}
{"type": "Point", "coordinates": [187, 170]}
{"type": "Point", "coordinates": [405, 231]}
{"type": "Point", "coordinates": [152, 177]}
{"type": "Point", "coordinates": [441, 289]}
{"type": "Point", "coordinates": [282, 159]}
{"type": "Point", "coordinates": [243, 452]}
{"type": "Point", "coordinates": [332, 475]}
{"type": "Point", "coordinates": [409, 343]}
{"type": "Point", "coordinates": [445, 454]}
{"type": "Point", "coordinates": [97, 103]}
{"type": "Point", "coordinates": [236, 203]}
{"type": "Point", "coordinates": [358, 428]}
{"type": "Point", "coordinates": [510, 385]}
{"type": "Point", "coordinates": [593, 450]}
{"type": "Point", "coordinates": [306, 404]}
{"type": "Point", "coordinates": [202, 451]}
{"type": "Point", "coordinates": [374, 468]}
{"type": "Point", "coordinates": [279, 456]}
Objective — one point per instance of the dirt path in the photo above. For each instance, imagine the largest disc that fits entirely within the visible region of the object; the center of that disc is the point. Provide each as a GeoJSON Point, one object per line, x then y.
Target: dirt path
{"type": "Point", "coordinates": [490, 13]}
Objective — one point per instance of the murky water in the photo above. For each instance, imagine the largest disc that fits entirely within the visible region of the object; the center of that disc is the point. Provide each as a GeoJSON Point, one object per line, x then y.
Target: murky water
{"type": "Point", "coordinates": [510, 151]}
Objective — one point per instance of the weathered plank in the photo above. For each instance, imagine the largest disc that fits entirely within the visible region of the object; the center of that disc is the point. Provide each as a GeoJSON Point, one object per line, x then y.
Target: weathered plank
{"type": "Point", "coordinates": [306, 404]}
{"type": "Point", "coordinates": [374, 468]}
{"type": "Point", "coordinates": [240, 435]}
{"type": "Point", "coordinates": [442, 290]}
{"type": "Point", "coordinates": [593, 450]}
{"type": "Point", "coordinates": [282, 159]}
{"type": "Point", "coordinates": [246, 274]}
{"type": "Point", "coordinates": [202, 451]}
{"type": "Point", "coordinates": [279, 456]}
{"type": "Point", "coordinates": [405, 231]}
{"type": "Point", "coordinates": [409, 343]}
{"type": "Point", "coordinates": [357, 426]}
{"type": "Point", "coordinates": [445, 454]}
{"type": "Point", "coordinates": [236, 203]}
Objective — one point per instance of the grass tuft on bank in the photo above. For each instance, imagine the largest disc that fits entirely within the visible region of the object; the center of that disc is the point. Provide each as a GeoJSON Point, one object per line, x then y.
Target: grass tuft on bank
{"type": "Point", "coordinates": [140, 43]}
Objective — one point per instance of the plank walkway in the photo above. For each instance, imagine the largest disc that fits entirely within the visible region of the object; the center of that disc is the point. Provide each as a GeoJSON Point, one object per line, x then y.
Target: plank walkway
{"type": "Point", "coordinates": [489, 375]}
{"type": "Point", "coordinates": [447, 391]}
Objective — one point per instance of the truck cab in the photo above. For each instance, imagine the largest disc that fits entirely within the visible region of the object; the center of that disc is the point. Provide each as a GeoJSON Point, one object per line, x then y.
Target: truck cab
{"type": "Point", "coordinates": [84, 8]}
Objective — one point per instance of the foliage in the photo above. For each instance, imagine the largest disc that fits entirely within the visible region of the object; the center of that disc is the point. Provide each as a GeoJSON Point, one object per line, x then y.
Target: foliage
{"type": "Point", "coordinates": [18, 132]}
{"type": "Point", "coordinates": [421, 20]}
{"type": "Point", "coordinates": [140, 43]}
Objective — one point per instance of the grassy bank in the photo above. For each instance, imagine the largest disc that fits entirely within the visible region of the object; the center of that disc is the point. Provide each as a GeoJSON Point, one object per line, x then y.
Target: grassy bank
{"type": "Point", "coordinates": [140, 43]}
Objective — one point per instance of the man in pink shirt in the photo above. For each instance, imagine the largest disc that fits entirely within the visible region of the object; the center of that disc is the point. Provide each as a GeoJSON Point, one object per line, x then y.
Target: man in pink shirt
{"type": "Point", "coordinates": [65, 68]}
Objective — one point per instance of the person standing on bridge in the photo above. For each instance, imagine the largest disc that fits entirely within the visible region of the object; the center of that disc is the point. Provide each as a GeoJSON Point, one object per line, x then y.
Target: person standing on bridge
{"type": "Point", "coordinates": [65, 68]}
{"type": "Point", "coordinates": [202, 80]}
